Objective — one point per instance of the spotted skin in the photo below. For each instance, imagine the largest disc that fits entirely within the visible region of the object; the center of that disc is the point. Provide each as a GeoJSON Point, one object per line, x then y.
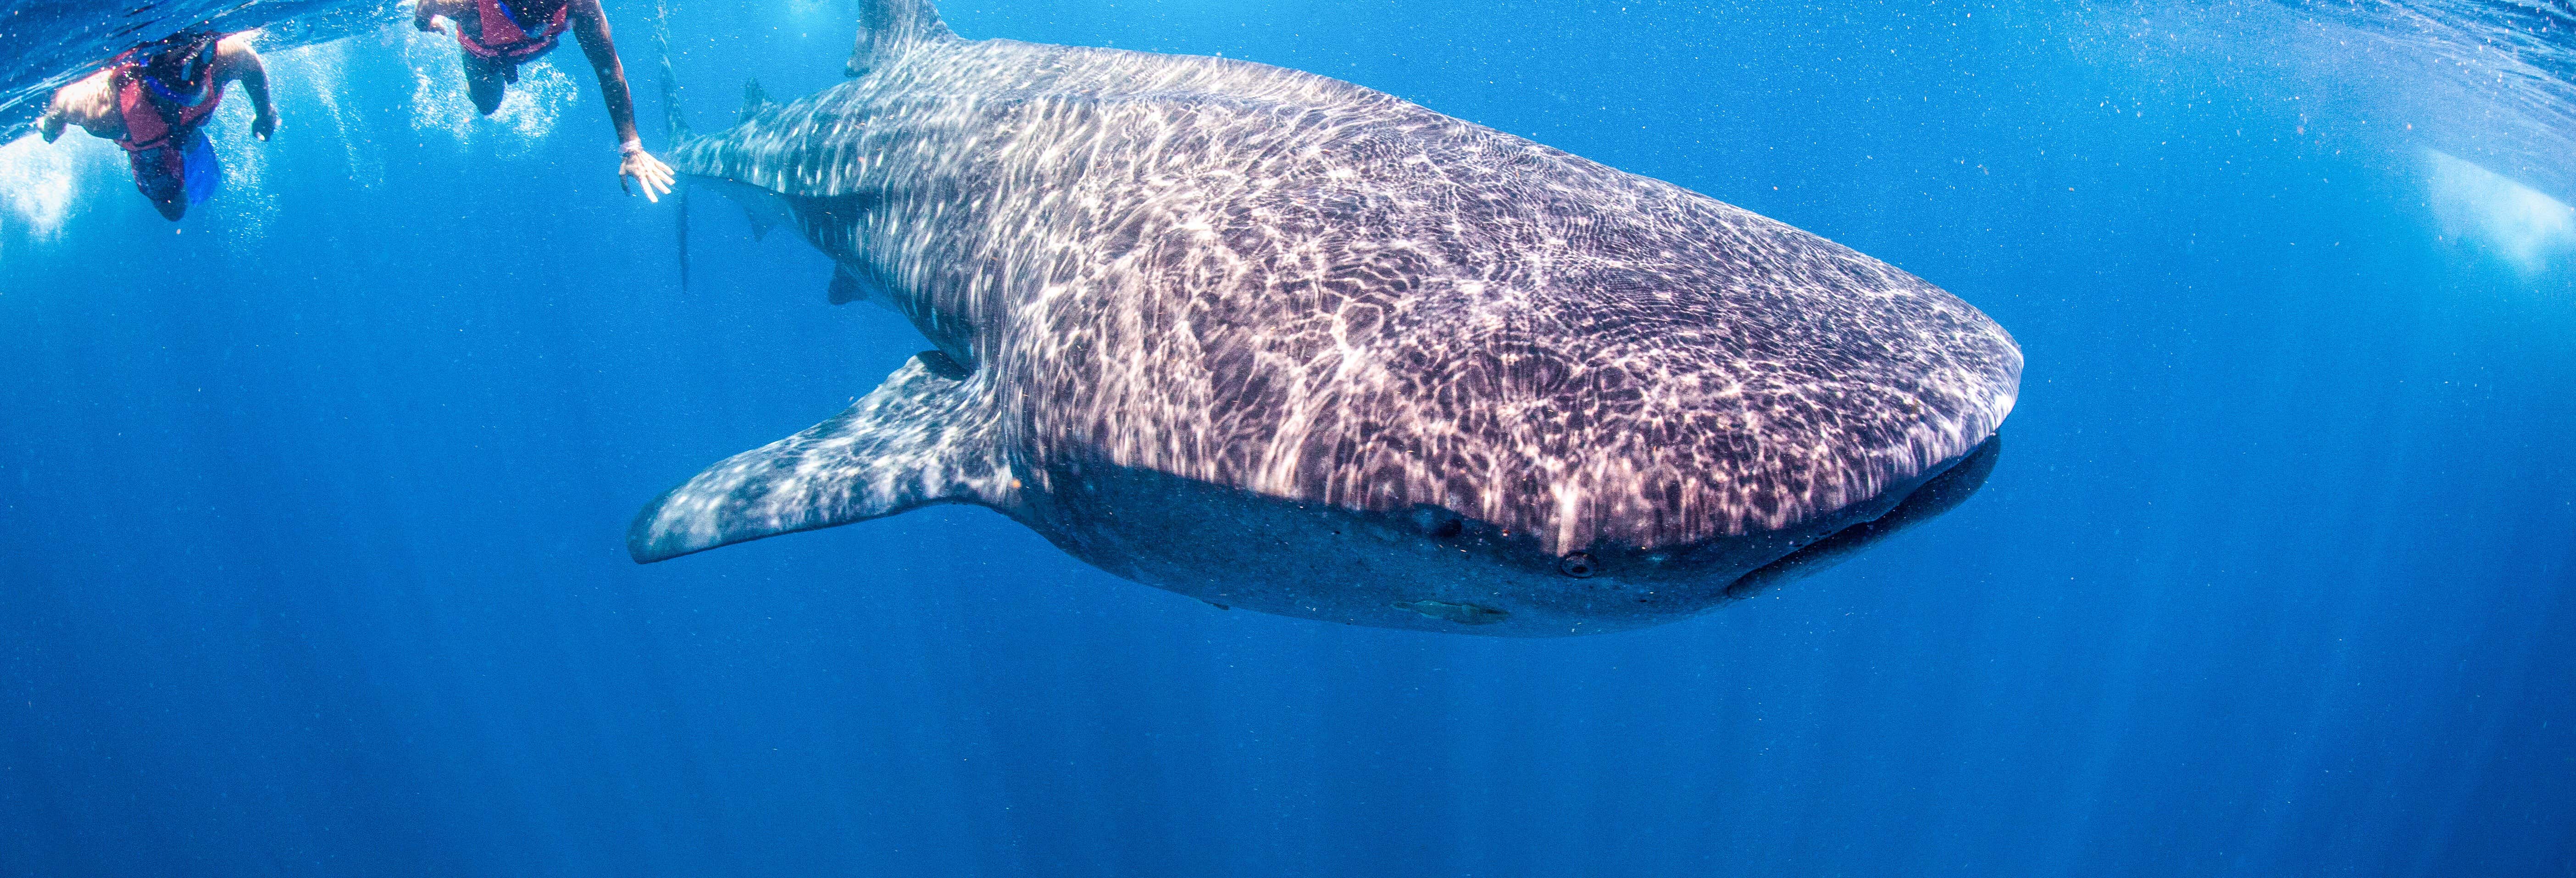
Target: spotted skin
{"type": "Point", "coordinates": [1229, 279]}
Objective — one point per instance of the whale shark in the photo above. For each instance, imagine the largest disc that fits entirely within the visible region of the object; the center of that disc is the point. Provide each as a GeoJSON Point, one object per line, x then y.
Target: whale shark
{"type": "Point", "coordinates": [1285, 343]}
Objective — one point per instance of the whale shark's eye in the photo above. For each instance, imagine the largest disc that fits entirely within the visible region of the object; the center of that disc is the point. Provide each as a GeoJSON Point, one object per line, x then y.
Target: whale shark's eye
{"type": "Point", "coordinates": [1577, 565]}
{"type": "Point", "coordinates": [1438, 523]}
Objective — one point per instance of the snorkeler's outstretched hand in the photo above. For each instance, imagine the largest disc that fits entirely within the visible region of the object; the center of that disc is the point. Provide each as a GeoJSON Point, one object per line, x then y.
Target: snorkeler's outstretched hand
{"type": "Point", "coordinates": [649, 172]}
{"type": "Point", "coordinates": [264, 126]}
{"type": "Point", "coordinates": [428, 23]}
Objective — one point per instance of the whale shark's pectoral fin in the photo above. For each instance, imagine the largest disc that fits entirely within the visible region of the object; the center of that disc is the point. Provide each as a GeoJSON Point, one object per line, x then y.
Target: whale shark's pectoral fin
{"type": "Point", "coordinates": [922, 437]}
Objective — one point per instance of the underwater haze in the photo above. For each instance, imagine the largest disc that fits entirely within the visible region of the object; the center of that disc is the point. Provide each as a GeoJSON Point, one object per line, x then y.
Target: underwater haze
{"type": "Point", "coordinates": [313, 505]}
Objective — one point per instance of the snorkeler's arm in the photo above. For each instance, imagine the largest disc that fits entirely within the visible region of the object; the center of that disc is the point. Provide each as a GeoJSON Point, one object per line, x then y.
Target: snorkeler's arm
{"type": "Point", "coordinates": [590, 28]}
{"type": "Point", "coordinates": [89, 103]}
{"type": "Point", "coordinates": [425, 13]}
{"type": "Point", "coordinates": [243, 64]}
{"type": "Point", "coordinates": [52, 122]}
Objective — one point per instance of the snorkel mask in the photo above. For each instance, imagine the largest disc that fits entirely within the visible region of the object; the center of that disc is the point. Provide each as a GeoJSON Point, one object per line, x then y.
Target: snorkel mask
{"type": "Point", "coordinates": [193, 85]}
{"type": "Point", "coordinates": [528, 26]}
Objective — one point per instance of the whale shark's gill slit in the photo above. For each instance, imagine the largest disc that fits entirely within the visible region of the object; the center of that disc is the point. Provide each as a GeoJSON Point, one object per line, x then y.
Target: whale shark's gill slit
{"type": "Point", "coordinates": [1938, 495]}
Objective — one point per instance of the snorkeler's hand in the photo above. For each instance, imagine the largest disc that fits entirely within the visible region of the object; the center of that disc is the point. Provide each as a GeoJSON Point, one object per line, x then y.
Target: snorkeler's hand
{"type": "Point", "coordinates": [428, 24]}
{"type": "Point", "coordinates": [649, 172]}
{"type": "Point", "coordinates": [264, 126]}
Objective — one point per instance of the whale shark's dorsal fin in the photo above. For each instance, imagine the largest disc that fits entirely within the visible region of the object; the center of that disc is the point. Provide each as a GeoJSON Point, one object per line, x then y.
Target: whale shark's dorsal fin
{"type": "Point", "coordinates": [887, 27]}
{"type": "Point", "coordinates": [927, 435]}
{"type": "Point", "coordinates": [754, 100]}
{"type": "Point", "coordinates": [675, 123]}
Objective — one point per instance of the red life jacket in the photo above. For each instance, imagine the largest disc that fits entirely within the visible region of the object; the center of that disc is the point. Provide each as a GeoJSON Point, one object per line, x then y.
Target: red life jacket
{"type": "Point", "coordinates": [149, 123]}
{"type": "Point", "coordinates": [504, 40]}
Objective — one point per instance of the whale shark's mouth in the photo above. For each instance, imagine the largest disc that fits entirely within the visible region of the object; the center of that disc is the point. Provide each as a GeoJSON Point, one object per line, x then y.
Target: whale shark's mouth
{"type": "Point", "coordinates": [1935, 496]}
{"type": "Point", "coordinates": [1463, 614]}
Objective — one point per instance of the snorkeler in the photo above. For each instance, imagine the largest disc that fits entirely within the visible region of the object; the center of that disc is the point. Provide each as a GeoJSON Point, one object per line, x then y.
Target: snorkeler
{"type": "Point", "coordinates": [496, 36]}
{"type": "Point", "coordinates": [154, 100]}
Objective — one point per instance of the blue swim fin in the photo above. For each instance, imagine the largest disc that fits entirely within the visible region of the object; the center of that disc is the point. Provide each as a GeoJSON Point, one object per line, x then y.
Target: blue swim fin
{"type": "Point", "coordinates": [199, 170]}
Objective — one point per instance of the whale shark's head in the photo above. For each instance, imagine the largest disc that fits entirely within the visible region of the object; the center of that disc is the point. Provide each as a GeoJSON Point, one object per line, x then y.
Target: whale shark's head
{"type": "Point", "coordinates": [1691, 405]}
{"type": "Point", "coordinates": [1594, 401]}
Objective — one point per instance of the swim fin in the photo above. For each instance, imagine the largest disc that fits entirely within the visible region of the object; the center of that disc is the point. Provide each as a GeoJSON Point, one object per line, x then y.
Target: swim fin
{"type": "Point", "coordinates": [199, 173]}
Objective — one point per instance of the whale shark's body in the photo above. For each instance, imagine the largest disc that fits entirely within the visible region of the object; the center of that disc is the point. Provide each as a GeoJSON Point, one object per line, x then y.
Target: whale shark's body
{"type": "Point", "coordinates": [1281, 342]}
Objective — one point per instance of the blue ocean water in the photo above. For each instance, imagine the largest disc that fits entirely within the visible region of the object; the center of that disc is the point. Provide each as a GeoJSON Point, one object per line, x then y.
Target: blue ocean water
{"type": "Point", "coordinates": [312, 505]}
